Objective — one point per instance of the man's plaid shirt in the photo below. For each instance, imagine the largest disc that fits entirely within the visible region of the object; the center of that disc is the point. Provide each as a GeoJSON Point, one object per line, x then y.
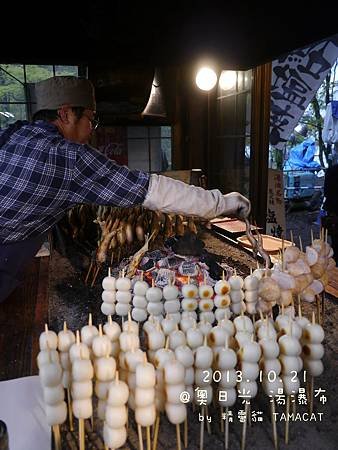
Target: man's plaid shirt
{"type": "Point", "coordinates": [42, 175]}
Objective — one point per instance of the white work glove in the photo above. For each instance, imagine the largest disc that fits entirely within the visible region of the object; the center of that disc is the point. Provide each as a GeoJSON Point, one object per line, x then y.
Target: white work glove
{"type": "Point", "coordinates": [172, 196]}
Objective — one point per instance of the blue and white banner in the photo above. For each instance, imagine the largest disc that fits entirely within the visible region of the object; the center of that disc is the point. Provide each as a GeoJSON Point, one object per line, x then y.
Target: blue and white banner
{"type": "Point", "coordinates": [296, 77]}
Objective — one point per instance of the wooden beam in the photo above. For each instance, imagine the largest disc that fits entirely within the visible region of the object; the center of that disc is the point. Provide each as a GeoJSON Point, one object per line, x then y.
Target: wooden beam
{"type": "Point", "coordinates": [260, 124]}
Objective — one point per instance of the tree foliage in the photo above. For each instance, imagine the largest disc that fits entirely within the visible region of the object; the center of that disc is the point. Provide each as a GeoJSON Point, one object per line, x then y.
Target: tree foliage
{"type": "Point", "coordinates": [313, 116]}
{"type": "Point", "coordinates": [13, 80]}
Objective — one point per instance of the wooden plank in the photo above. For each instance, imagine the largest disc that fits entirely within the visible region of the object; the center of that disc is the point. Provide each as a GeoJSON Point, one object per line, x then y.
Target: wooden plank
{"type": "Point", "coordinates": [18, 326]}
{"type": "Point", "coordinates": [332, 287]}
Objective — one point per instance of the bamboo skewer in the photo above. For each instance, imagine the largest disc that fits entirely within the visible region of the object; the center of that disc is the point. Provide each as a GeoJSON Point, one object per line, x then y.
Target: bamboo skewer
{"type": "Point", "coordinates": [249, 406]}
{"type": "Point", "coordinates": [70, 411]}
{"type": "Point", "coordinates": [293, 398]}
{"type": "Point", "coordinates": [148, 438]}
{"type": "Point", "coordinates": [88, 272]}
{"type": "Point", "coordinates": [300, 244]}
{"type": "Point", "coordinates": [287, 419]}
{"type": "Point", "coordinates": [140, 438]}
{"type": "Point", "coordinates": [178, 437]}
{"type": "Point", "coordinates": [208, 424]}
{"type": "Point", "coordinates": [274, 425]}
{"type": "Point", "coordinates": [323, 305]}
{"type": "Point", "coordinates": [57, 437]}
{"type": "Point", "coordinates": [202, 430]}
{"type": "Point", "coordinates": [95, 275]}
{"type": "Point", "coordinates": [318, 309]}
{"type": "Point", "coordinates": [222, 423]}
{"type": "Point", "coordinates": [226, 431]}
{"type": "Point", "coordinates": [81, 434]}
{"type": "Point", "coordinates": [311, 388]}
{"type": "Point", "coordinates": [244, 427]}
{"type": "Point", "coordinates": [185, 440]}
{"type": "Point", "coordinates": [157, 426]}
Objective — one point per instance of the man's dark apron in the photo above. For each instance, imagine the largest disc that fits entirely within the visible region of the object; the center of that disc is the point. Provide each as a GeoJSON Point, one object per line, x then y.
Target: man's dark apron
{"type": "Point", "coordinates": [13, 259]}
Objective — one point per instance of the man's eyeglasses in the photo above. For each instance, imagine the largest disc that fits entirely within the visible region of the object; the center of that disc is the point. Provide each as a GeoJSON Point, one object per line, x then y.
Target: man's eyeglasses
{"type": "Point", "coordinates": [94, 121]}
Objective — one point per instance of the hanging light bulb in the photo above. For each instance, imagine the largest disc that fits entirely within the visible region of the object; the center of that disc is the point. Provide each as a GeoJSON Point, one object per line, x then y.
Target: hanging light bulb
{"type": "Point", "coordinates": [206, 78]}
{"type": "Point", "coordinates": [227, 80]}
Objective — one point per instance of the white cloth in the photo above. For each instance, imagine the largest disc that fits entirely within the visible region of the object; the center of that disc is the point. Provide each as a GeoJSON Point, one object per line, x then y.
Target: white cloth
{"type": "Point", "coordinates": [330, 127]}
{"type": "Point", "coordinates": [172, 196]}
{"type": "Point", "coordinates": [22, 409]}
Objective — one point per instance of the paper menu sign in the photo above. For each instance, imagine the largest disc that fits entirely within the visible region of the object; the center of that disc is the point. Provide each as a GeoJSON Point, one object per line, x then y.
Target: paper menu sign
{"type": "Point", "coordinates": [22, 409]}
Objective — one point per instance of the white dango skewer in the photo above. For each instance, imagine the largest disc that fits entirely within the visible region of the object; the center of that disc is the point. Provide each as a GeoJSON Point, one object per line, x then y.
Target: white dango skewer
{"type": "Point", "coordinates": [104, 368]}
{"type": "Point", "coordinates": [114, 428]}
{"type": "Point", "coordinates": [228, 325]}
{"type": "Point", "coordinates": [154, 298]}
{"type": "Point", "coordinates": [82, 388]}
{"type": "Point", "coordinates": [269, 363]}
{"type": "Point", "coordinates": [130, 325]}
{"type": "Point", "coordinates": [139, 312]}
{"type": "Point", "coordinates": [222, 299]}
{"type": "Point", "coordinates": [204, 326]}
{"type": "Point", "coordinates": [78, 349]}
{"type": "Point", "coordinates": [108, 283]}
{"type": "Point", "coordinates": [217, 337]}
{"type": "Point", "coordinates": [155, 341]}
{"type": "Point", "coordinates": [283, 325]}
{"type": "Point", "coordinates": [236, 293]}
{"type": "Point", "coordinates": [251, 293]}
{"type": "Point", "coordinates": [184, 354]}
{"type": "Point", "coordinates": [244, 329]}
{"type": "Point", "coordinates": [162, 356]}
{"type": "Point", "coordinates": [168, 324]}
{"type": "Point", "coordinates": [266, 329]}
{"type": "Point", "coordinates": [101, 344]}
{"type": "Point", "coordinates": [176, 338]}
{"type": "Point", "coordinates": [190, 314]}
{"type": "Point", "coordinates": [194, 337]}
{"type": "Point", "coordinates": [207, 316]}
{"type": "Point", "coordinates": [206, 304]}
{"type": "Point", "coordinates": [66, 338]}
{"type": "Point", "coordinates": [145, 411]}
{"type": "Point", "coordinates": [48, 340]}
{"type": "Point", "coordinates": [174, 376]}
{"type": "Point", "coordinates": [129, 339]}
{"type": "Point", "coordinates": [189, 302]}
{"type": "Point", "coordinates": [203, 363]}
{"type": "Point", "coordinates": [187, 322]}
{"type": "Point", "coordinates": [248, 355]}
{"type": "Point", "coordinates": [123, 295]}
{"type": "Point", "coordinates": [226, 361]}
{"type": "Point", "coordinates": [189, 290]}
{"type": "Point", "coordinates": [113, 330]}
{"type": "Point", "coordinates": [171, 304]}
{"type": "Point", "coordinates": [132, 358]}
{"type": "Point", "coordinates": [300, 319]}
{"type": "Point", "coordinates": [313, 351]}
{"type": "Point", "coordinates": [290, 350]}
{"type": "Point", "coordinates": [88, 332]}
{"type": "Point", "coordinates": [108, 295]}
{"type": "Point", "coordinates": [50, 374]}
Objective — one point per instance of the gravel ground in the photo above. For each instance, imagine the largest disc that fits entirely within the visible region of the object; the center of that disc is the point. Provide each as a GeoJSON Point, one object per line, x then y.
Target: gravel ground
{"type": "Point", "coordinates": [71, 300]}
